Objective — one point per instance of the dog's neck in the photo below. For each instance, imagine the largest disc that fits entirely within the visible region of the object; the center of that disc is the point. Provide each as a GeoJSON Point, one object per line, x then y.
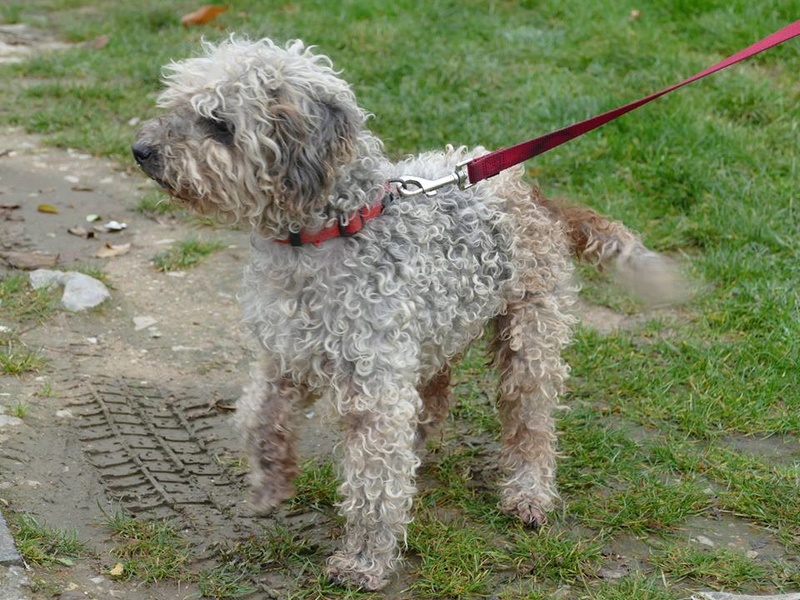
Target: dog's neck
{"type": "Point", "coordinates": [340, 223]}
{"type": "Point", "coordinates": [358, 187]}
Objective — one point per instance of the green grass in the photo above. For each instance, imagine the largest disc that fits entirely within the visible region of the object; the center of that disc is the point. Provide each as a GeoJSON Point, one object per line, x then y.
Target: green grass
{"type": "Point", "coordinates": [652, 442]}
{"type": "Point", "coordinates": [720, 569]}
{"type": "Point", "coordinates": [185, 254]}
{"type": "Point", "coordinates": [40, 544]}
{"type": "Point", "coordinates": [17, 359]}
{"type": "Point", "coordinates": [148, 551]}
{"type": "Point", "coordinates": [19, 302]}
{"type": "Point", "coordinates": [455, 560]}
{"type": "Point", "coordinates": [157, 204]}
{"type": "Point", "coordinates": [20, 409]}
{"type": "Point", "coordinates": [316, 487]}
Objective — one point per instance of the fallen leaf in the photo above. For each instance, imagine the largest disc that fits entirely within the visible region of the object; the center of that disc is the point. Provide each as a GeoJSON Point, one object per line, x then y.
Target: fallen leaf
{"type": "Point", "coordinates": [635, 14]}
{"type": "Point", "coordinates": [100, 42]}
{"type": "Point", "coordinates": [93, 218]}
{"type": "Point", "coordinates": [48, 209]}
{"type": "Point", "coordinates": [80, 232]}
{"type": "Point", "coordinates": [117, 570]}
{"type": "Point", "coordinates": [82, 188]}
{"type": "Point", "coordinates": [202, 15]}
{"type": "Point", "coordinates": [9, 205]}
{"type": "Point", "coordinates": [111, 250]}
{"type": "Point", "coordinates": [29, 261]}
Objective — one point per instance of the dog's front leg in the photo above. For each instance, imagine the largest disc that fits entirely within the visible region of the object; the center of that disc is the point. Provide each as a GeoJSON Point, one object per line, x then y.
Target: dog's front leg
{"type": "Point", "coordinates": [378, 468]}
{"type": "Point", "coordinates": [265, 414]}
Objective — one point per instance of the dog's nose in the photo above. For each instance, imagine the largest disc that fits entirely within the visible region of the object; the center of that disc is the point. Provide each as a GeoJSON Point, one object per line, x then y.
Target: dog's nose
{"type": "Point", "coordinates": [141, 152]}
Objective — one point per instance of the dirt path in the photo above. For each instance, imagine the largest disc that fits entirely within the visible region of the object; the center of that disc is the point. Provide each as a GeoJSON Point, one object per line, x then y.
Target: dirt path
{"type": "Point", "coordinates": [128, 415]}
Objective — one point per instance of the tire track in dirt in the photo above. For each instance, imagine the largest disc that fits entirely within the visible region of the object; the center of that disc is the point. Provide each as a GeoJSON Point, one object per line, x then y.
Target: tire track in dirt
{"type": "Point", "coordinates": [162, 454]}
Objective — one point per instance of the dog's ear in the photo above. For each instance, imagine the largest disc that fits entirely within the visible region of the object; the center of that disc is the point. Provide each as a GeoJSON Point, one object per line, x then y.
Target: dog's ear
{"type": "Point", "coordinates": [313, 142]}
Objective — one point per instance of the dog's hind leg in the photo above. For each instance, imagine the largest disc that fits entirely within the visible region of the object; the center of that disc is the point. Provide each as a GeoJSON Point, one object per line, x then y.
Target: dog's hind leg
{"type": "Point", "coordinates": [265, 414]}
{"type": "Point", "coordinates": [436, 401]}
{"type": "Point", "coordinates": [378, 467]}
{"type": "Point", "coordinates": [528, 344]}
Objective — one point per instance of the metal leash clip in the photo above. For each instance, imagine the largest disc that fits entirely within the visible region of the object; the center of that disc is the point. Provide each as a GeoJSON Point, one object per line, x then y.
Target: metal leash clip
{"type": "Point", "coordinates": [410, 185]}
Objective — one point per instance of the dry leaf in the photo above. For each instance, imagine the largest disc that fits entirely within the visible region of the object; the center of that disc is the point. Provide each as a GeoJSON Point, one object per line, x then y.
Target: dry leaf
{"type": "Point", "coordinates": [203, 15]}
{"type": "Point", "coordinates": [111, 250]}
{"type": "Point", "coordinates": [82, 188]}
{"type": "Point", "coordinates": [29, 261]}
{"type": "Point", "coordinates": [117, 570]}
{"type": "Point", "coordinates": [81, 232]}
{"type": "Point", "coordinates": [48, 209]}
{"type": "Point", "coordinates": [100, 42]}
{"type": "Point", "coordinates": [635, 14]}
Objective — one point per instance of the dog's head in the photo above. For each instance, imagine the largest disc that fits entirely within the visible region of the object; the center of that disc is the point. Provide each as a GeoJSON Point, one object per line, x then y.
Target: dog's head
{"type": "Point", "coordinates": [253, 131]}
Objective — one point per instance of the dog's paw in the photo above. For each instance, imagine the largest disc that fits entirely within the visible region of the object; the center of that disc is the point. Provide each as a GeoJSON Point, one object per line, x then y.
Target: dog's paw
{"type": "Point", "coordinates": [527, 508]}
{"type": "Point", "coordinates": [356, 572]}
{"type": "Point", "coordinates": [266, 499]}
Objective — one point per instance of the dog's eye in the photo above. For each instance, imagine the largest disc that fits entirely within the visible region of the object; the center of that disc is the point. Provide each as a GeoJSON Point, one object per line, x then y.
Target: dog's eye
{"type": "Point", "coordinates": [219, 130]}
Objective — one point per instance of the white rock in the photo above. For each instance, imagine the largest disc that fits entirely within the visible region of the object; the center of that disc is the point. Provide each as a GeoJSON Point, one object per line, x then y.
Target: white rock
{"type": "Point", "coordinates": [143, 322]}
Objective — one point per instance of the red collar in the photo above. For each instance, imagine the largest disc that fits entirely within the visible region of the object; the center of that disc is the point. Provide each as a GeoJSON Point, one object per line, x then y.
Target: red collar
{"type": "Point", "coordinates": [344, 227]}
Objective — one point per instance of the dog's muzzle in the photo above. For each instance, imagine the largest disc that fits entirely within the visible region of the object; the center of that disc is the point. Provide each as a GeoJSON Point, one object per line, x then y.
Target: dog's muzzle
{"type": "Point", "coordinates": [148, 158]}
{"type": "Point", "coordinates": [143, 153]}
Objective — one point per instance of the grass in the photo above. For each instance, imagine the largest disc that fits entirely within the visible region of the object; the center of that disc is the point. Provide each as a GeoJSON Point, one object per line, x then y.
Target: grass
{"type": "Point", "coordinates": [20, 409]}
{"type": "Point", "coordinates": [156, 203]}
{"type": "Point", "coordinates": [720, 569]}
{"type": "Point", "coordinates": [19, 302]}
{"type": "Point", "coordinates": [653, 440]}
{"type": "Point", "coordinates": [185, 254]}
{"type": "Point", "coordinates": [40, 544]}
{"type": "Point", "coordinates": [148, 551]}
{"type": "Point", "coordinates": [17, 359]}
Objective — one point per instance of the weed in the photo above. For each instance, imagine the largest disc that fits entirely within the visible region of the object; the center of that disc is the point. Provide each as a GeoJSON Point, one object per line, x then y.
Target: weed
{"type": "Point", "coordinates": [46, 391]}
{"type": "Point", "coordinates": [720, 568]}
{"type": "Point", "coordinates": [321, 588]}
{"type": "Point", "coordinates": [157, 203]}
{"type": "Point", "coordinates": [455, 559]}
{"type": "Point", "coordinates": [645, 504]}
{"type": "Point", "coordinates": [20, 410]}
{"type": "Point", "coordinates": [225, 581]}
{"type": "Point", "coordinates": [555, 556]}
{"type": "Point", "coordinates": [41, 545]}
{"type": "Point", "coordinates": [149, 550]}
{"type": "Point", "coordinates": [19, 302]}
{"type": "Point", "coordinates": [632, 586]}
{"type": "Point", "coordinates": [316, 486]}
{"type": "Point", "coordinates": [17, 359]}
{"type": "Point", "coordinates": [185, 254]}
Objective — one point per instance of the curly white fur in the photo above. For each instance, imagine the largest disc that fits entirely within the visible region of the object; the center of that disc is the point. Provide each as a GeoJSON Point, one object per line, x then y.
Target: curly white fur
{"type": "Point", "coordinates": [273, 136]}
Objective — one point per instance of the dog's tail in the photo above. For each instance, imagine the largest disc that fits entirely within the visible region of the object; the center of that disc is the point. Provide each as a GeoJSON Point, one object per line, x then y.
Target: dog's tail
{"type": "Point", "coordinates": [609, 245]}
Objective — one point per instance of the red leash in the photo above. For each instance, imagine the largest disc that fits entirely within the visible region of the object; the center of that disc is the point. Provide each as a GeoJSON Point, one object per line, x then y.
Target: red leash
{"type": "Point", "coordinates": [489, 165]}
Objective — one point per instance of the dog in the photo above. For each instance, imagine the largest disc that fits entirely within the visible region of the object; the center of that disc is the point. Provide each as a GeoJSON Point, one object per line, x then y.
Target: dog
{"type": "Point", "coordinates": [365, 297]}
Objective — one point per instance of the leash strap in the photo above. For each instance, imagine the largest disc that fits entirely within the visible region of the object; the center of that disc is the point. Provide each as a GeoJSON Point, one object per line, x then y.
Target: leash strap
{"type": "Point", "coordinates": [491, 164]}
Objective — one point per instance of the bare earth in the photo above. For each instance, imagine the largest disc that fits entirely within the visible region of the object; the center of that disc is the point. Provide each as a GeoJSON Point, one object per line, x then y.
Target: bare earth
{"type": "Point", "coordinates": [128, 415]}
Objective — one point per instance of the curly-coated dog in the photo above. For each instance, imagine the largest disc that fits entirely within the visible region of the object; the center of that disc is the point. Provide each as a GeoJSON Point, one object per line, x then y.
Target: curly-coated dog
{"type": "Point", "coordinates": [366, 298]}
